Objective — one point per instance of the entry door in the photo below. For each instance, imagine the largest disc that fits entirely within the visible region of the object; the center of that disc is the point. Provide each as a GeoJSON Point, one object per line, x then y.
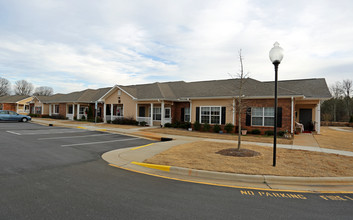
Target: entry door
{"type": "Point", "coordinates": [305, 117]}
{"type": "Point", "coordinates": [142, 112]}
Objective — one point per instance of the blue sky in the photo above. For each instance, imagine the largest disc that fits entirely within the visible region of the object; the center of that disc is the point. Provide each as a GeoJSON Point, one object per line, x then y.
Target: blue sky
{"type": "Point", "coordinates": [72, 45]}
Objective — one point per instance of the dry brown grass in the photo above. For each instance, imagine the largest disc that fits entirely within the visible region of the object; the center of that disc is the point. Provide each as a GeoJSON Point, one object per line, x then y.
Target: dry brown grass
{"type": "Point", "coordinates": [202, 156]}
{"type": "Point", "coordinates": [251, 138]}
{"type": "Point", "coordinates": [338, 140]}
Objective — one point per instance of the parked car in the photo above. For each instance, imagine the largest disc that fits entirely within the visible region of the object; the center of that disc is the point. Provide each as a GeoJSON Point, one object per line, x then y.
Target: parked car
{"type": "Point", "coordinates": [6, 115]}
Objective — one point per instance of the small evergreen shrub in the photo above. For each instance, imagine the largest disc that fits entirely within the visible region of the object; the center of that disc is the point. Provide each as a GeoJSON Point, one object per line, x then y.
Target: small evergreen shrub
{"type": "Point", "coordinates": [168, 125]}
{"type": "Point", "coordinates": [125, 121]}
{"type": "Point", "coordinates": [109, 121]}
{"type": "Point", "coordinates": [186, 125]}
{"type": "Point", "coordinates": [281, 133]}
{"type": "Point", "coordinates": [351, 119]}
{"type": "Point", "coordinates": [255, 131]}
{"type": "Point", "coordinates": [269, 133]}
{"type": "Point", "coordinates": [197, 126]}
{"type": "Point", "coordinates": [83, 117]}
{"type": "Point", "coordinates": [206, 127]}
{"type": "Point", "coordinates": [229, 127]}
{"type": "Point", "coordinates": [217, 128]}
{"type": "Point", "coordinates": [143, 123]}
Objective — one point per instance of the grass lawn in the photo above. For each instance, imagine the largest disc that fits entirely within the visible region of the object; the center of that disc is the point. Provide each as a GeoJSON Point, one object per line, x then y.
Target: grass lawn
{"type": "Point", "coordinates": [203, 155]}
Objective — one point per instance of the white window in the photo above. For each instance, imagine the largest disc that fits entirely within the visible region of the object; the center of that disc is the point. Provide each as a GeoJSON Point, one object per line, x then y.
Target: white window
{"type": "Point", "coordinates": [119, 92]}
{"type": "Point", "coordinates": [56, 109]}
{"type": "Point", "coordinates": [211, 115]}
{"type": "Point", "coordinates": [157, 115]}
{"type": "Point", "coordinates": [167, 113]}
{"type": "Point", "coordinates": [262, 116]}
{"type": "Point", "coordinates": [187, 114]}
{"type": "Point", "coordinates": [82, 110]}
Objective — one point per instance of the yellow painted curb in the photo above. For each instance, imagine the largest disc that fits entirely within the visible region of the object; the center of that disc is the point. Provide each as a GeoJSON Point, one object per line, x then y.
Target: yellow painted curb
{"type": "Point", "coordinates": [141, 146]}
{"type": "Point", "coordinates": [81, 127]}
{"type": "Point", "coordinates": [101, 129]}
{"type": "Point", "coordinates": [153, 166]}
{"type": "Point", "coordinates": [230, 186]}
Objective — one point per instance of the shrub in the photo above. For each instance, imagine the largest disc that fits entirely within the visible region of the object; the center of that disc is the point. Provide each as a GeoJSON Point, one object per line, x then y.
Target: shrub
{"type": "Point", "coordinates": [197, 126]}
{"type": "Point", "coordinates": [45, 116]}
{"type": "Point", "coordinates": [168, 125]}
{"type": "Point", "coordinates": [59, 117]}
{"type": "Point", "coordinates": [75, 118]}
{"type": "Point", "coordinates": [206, 127]}
{"type": "Point", "coordinates": [176, 124]}
{"type": "Point", "coordinates": [83, 117]}
{"type": "Point", "coordinates": [143, 123]}
{"type": "Point", "coordinates": [269, 133]}
{"type": "Point", "coordinates": [109, 121]}
{"type": "Point", "coordinates": [281, 133]}
{"type": "Point", "coordinates": [186, 125]}
{"type": "Point", "coordinates": [34, 115]}
{"type": "Point", "coordinates": [229, 127]}
{"type": "Point", "coordinates": [351, 119]}
{"type": "Point", "coordinates": [90, 113]}
{"type": "Point", "coordinates": [216, 128]}
{"type": "Point", "coordinates": [125, 121]}
{"type": "Point", "coordinates": [255, 131]}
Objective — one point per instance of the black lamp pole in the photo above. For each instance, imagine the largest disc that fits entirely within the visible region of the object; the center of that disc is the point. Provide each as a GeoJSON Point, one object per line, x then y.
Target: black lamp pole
{"type": "Point", "coordinates": [276, 56]}
{"type": "Point", "coordinates": [276, 63]}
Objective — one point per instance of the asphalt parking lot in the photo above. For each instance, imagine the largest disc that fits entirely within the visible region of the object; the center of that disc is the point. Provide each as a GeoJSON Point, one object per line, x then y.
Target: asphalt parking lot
{"type": "Point", "coordinates": [28, 146]}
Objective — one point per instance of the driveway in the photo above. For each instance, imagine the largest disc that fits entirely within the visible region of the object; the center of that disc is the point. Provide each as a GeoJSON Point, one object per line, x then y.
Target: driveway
{"type": "Point", "coordinates": [57, 173]}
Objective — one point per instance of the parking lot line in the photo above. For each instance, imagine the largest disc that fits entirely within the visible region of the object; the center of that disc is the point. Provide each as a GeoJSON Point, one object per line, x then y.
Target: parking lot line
{"type": "Point", "coordinates": [92, 135]}
{"type": "Point", "coordinates": [47, 131]}
{"type": "Point", "coordinates": [12, 132]}
{"type": "Point", "coordinates": [99, 142]}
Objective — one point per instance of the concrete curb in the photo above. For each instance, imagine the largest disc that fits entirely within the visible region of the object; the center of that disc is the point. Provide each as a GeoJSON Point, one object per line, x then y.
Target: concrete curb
{"type": "Point", "coordinates": [286, 180]}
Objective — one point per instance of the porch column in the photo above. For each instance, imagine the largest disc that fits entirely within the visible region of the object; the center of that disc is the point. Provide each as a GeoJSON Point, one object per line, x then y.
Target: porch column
{"type": "Point", "coordinates": [233, 121]}
{"type": "Point", "coordinates": [42, 111]}
{"type": "Point", "coordinates": [111, 112]}
{"type": "Point", "coordinates": [318, 117]}
{"type": "Point", "coordinates": [78, 111]}
{"type": "Point", "coordinates": [136, 112]}
{"type": "Point", "coordinates": [50, 109]}
{"type": "Point", "coordinates": [17, 109]}
{"type": "Point", "coordinates": [73, 111]}
{"type": "Point", "coordinates": [190, 111]}
{"type": "Point", "coordinates": [105, 112]}
{"type": "Point", "coordinates": [162, 113]}
{"type": "Point", "coordinates": [151, 119]}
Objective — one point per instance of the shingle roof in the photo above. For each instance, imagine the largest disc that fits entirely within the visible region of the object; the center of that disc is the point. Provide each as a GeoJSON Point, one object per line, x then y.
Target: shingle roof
{"type": "Point", "coordinates": [310, 88]}
{"type": "Point", "coordinates": [12, 98]}
{"type": "Point", "coordinates": [85, 96]}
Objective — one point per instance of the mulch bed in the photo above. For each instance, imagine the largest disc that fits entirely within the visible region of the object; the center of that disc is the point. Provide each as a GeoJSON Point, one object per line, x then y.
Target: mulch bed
{"type": "Point", "coordinates": [238, 153]}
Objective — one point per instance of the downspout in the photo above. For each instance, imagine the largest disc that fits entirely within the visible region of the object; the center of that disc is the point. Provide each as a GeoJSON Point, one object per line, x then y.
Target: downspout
{"type": "Point", "coordinates": [292, 114]}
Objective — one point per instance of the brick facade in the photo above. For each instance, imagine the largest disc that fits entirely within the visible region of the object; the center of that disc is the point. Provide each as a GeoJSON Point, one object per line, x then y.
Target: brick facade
{"type": "Point", "coordinates": [176, 110]}
{"type": "Point", "coordinates": [9, 106]}
{"type": "Point", "coordinates": [285, 104]}
{"type": "Point", "coordinates": [62, 109]}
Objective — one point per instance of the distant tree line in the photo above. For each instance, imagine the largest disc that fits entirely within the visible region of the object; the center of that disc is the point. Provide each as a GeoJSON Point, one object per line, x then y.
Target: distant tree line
{"type": "Point", "coordinates": [340, 106]}
{"type": "Point", "coordinates": [23, 87]}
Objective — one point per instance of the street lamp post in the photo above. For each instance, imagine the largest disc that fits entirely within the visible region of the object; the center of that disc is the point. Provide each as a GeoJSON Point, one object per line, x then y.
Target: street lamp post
{"type": "Point", "coordinates": [276, 56]}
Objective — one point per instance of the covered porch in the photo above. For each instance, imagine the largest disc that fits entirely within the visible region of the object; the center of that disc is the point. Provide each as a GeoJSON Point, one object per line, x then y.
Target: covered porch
{"type": "Point", "coordinates": [154, 113]}
{"type": "Point", "coordinates": [113, 111]}
{"type": "Point", "coordinates": [307, 116]}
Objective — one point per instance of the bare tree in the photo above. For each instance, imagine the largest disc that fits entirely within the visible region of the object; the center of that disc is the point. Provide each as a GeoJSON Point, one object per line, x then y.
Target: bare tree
{"type": "Point", "coordinates": [242, 78]}
{"type": "Point", "coordinates": [347, 89]}
{"type": "Point", "coordinates": [44, 90]}
{"type": "Point", "coordinates": [22, 87]}
{"type": "Point", "coordinates": [5, 87]}
{"type": "Point", "coordinates": [336, 92]}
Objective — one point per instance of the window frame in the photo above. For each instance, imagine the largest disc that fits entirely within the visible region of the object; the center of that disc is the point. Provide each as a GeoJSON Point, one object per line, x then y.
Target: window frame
{"type": "Point", "coordinates": [263, 117]}
{"type": "Point", "coordinates": [210, 115]}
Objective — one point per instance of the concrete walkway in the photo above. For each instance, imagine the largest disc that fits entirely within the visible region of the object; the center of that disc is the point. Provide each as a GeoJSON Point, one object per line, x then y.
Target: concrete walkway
{"type": "Point", "coordinates": [132, 159]}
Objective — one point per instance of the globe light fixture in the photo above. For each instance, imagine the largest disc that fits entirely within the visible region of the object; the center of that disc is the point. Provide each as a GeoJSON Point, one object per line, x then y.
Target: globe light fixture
{"type": "Point", "coordinates": [276, 56]}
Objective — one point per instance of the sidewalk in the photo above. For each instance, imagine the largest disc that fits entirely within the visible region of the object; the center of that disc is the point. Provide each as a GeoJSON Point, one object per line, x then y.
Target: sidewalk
{"type": "Point", "coordinates": [132, 159]}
